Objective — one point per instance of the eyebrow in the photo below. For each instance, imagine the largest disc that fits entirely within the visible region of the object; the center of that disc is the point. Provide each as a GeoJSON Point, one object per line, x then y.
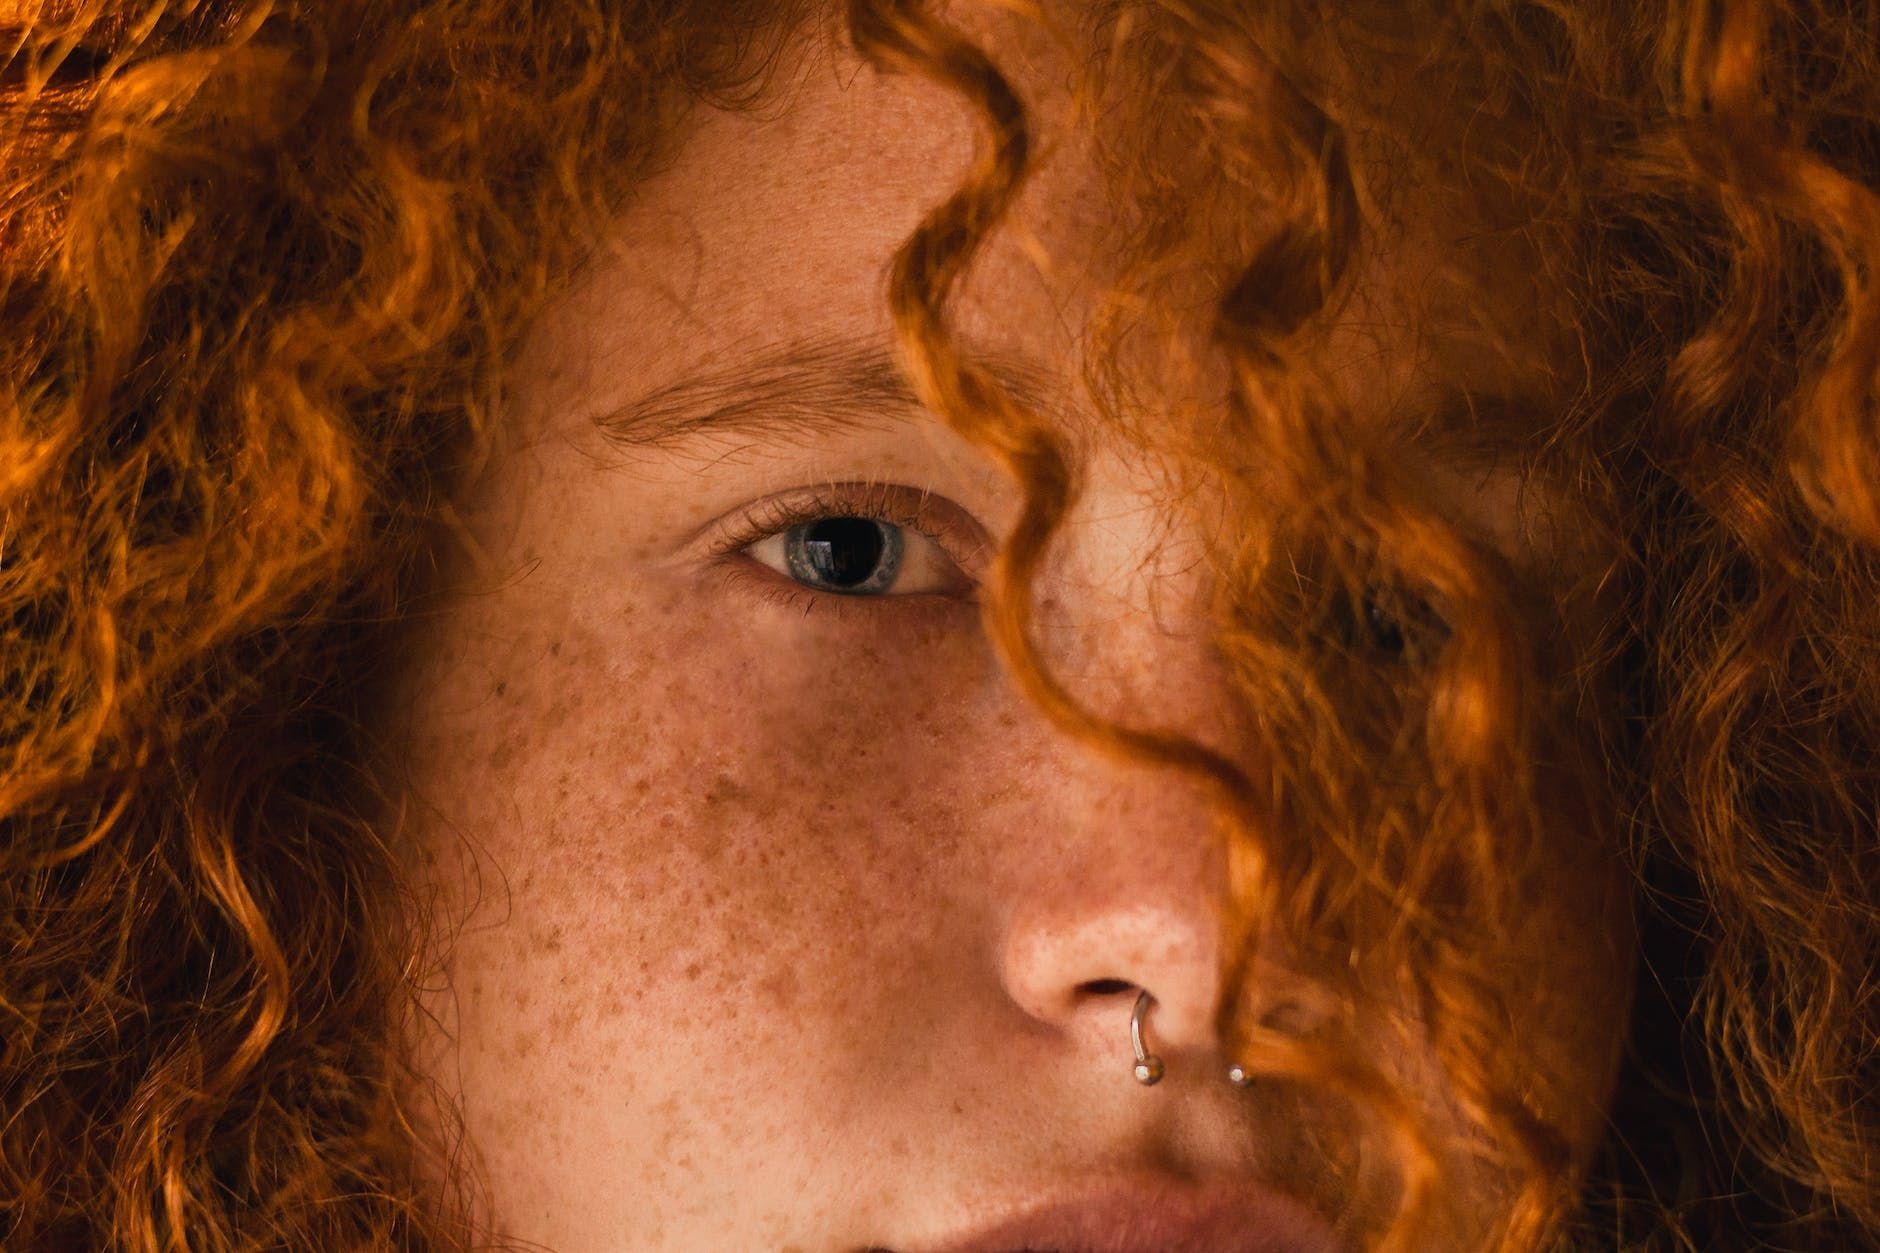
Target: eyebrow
{"type": "Point", "coordinates": [830, 384]}
{"type": "Point", "coordinates": [814, 385]}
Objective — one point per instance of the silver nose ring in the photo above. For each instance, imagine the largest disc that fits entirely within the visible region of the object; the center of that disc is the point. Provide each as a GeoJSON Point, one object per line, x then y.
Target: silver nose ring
{"type": "Point", "coordinates": [1148, 1069]}
{"type": "Point", "coordinates": [1148, 1065]}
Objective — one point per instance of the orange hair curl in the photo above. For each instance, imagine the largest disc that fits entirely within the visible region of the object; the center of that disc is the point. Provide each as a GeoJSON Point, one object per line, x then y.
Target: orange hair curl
{"type": "Point", "coordinates": [261, 264]}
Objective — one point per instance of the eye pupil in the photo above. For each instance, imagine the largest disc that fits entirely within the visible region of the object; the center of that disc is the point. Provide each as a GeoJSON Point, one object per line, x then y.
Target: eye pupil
{"type": "Point", "coordinates": [844, 554]}
{"type": "Point", "coordinates": [843, 551]}
{"type": "Point", "coordinates": [1386, 634]}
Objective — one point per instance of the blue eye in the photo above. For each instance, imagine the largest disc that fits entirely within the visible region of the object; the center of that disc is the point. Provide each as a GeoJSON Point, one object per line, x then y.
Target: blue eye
{"type": "Point", "coordinates": [850, 556]}
{"type": "Point", "coordinates": [858, 542]}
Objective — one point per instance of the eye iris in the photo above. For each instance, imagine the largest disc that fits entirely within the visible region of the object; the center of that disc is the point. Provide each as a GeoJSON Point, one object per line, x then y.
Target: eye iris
{"type": "Point", "coordinates": [844, 554]}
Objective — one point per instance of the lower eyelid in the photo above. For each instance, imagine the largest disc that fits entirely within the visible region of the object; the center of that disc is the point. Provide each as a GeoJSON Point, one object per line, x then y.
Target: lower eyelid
{"type": "Point", "coordinates": [744, 577]}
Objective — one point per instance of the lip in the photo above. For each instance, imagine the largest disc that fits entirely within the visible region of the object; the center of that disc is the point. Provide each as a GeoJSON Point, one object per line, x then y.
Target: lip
{"type": "Point", "coordinates": [1146, 1217]}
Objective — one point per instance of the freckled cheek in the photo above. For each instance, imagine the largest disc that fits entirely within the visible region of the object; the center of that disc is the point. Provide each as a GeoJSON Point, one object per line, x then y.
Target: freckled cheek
{"type": "Point", "coordinates": [811, 764]}
{"type": "Point", "coordinates": [681, 843]}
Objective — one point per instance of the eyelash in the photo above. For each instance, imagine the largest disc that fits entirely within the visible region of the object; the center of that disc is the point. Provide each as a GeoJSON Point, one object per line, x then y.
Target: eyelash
{"type": "Point", "coordinates": [892, 503]}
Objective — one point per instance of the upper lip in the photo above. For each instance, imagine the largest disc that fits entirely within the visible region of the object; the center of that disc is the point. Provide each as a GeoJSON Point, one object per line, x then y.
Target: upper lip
{"type": "Point", "coordinates": [1143, 1216]}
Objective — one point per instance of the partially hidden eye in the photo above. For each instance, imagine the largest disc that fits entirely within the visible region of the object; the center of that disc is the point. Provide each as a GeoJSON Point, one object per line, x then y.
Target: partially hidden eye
{"type": "Point", "coordinates": [1388, 623]}
{"type": "Point", "coordinates": [854, 555]}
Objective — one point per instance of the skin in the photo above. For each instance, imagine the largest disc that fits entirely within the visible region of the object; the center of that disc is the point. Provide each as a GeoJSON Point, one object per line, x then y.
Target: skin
{"type": "Point", "coordinates": [785, 921]}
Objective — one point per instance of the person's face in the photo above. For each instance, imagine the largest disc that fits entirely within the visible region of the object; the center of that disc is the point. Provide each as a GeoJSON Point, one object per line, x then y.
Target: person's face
{"type": "Point", "coordinates": [795, 926]}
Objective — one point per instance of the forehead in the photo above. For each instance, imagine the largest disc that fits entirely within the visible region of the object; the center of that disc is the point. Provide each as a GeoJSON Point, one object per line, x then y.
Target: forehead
{"type": "Point", "coordinates": [768, 233]}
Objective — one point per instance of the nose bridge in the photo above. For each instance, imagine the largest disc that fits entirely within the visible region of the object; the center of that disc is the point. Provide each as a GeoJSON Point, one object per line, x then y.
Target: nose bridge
{"type": "Point", "coordinates": [1124, 615]}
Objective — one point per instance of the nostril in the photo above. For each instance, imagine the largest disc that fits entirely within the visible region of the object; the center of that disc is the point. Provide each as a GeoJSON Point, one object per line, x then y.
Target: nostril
{"type": "Point", "coordinates": [1105, 987]}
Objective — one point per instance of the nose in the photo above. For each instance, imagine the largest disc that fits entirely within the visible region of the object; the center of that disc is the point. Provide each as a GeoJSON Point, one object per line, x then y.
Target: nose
{"type": "Point", "coordinates": [1118, 874]}
{"type": "Point", "coordinates": [1131, 899]}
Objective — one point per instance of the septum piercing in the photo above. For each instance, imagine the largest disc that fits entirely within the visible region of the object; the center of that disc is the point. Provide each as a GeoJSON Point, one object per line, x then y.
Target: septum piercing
{"type": "Point", "coordinates": [1148, 1070]}
{"type": "Point", "coordinates": [1148, 1065]}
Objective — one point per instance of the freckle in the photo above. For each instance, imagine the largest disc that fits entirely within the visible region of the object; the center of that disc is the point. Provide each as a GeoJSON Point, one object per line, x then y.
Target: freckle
{"type": "Point", "coordinates": [782, 988]}
{"type": "Point", "coordinates": [502, 687]}
{"type": "Point", "coordinates": [691, 971]}
{"type": "Point", "coordinates": [726, 790]}
{"type": "Point", "coordinates": [554, 649]}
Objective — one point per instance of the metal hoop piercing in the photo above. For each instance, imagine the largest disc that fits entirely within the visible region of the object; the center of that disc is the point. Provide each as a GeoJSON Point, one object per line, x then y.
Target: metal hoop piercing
{"type": "Point", "coordinates": [1148, 1066]}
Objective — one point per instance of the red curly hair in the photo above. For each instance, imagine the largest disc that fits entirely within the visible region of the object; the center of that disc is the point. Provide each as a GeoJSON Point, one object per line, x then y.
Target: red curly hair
{"type": "Point", "coordinates": [261, 264]}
